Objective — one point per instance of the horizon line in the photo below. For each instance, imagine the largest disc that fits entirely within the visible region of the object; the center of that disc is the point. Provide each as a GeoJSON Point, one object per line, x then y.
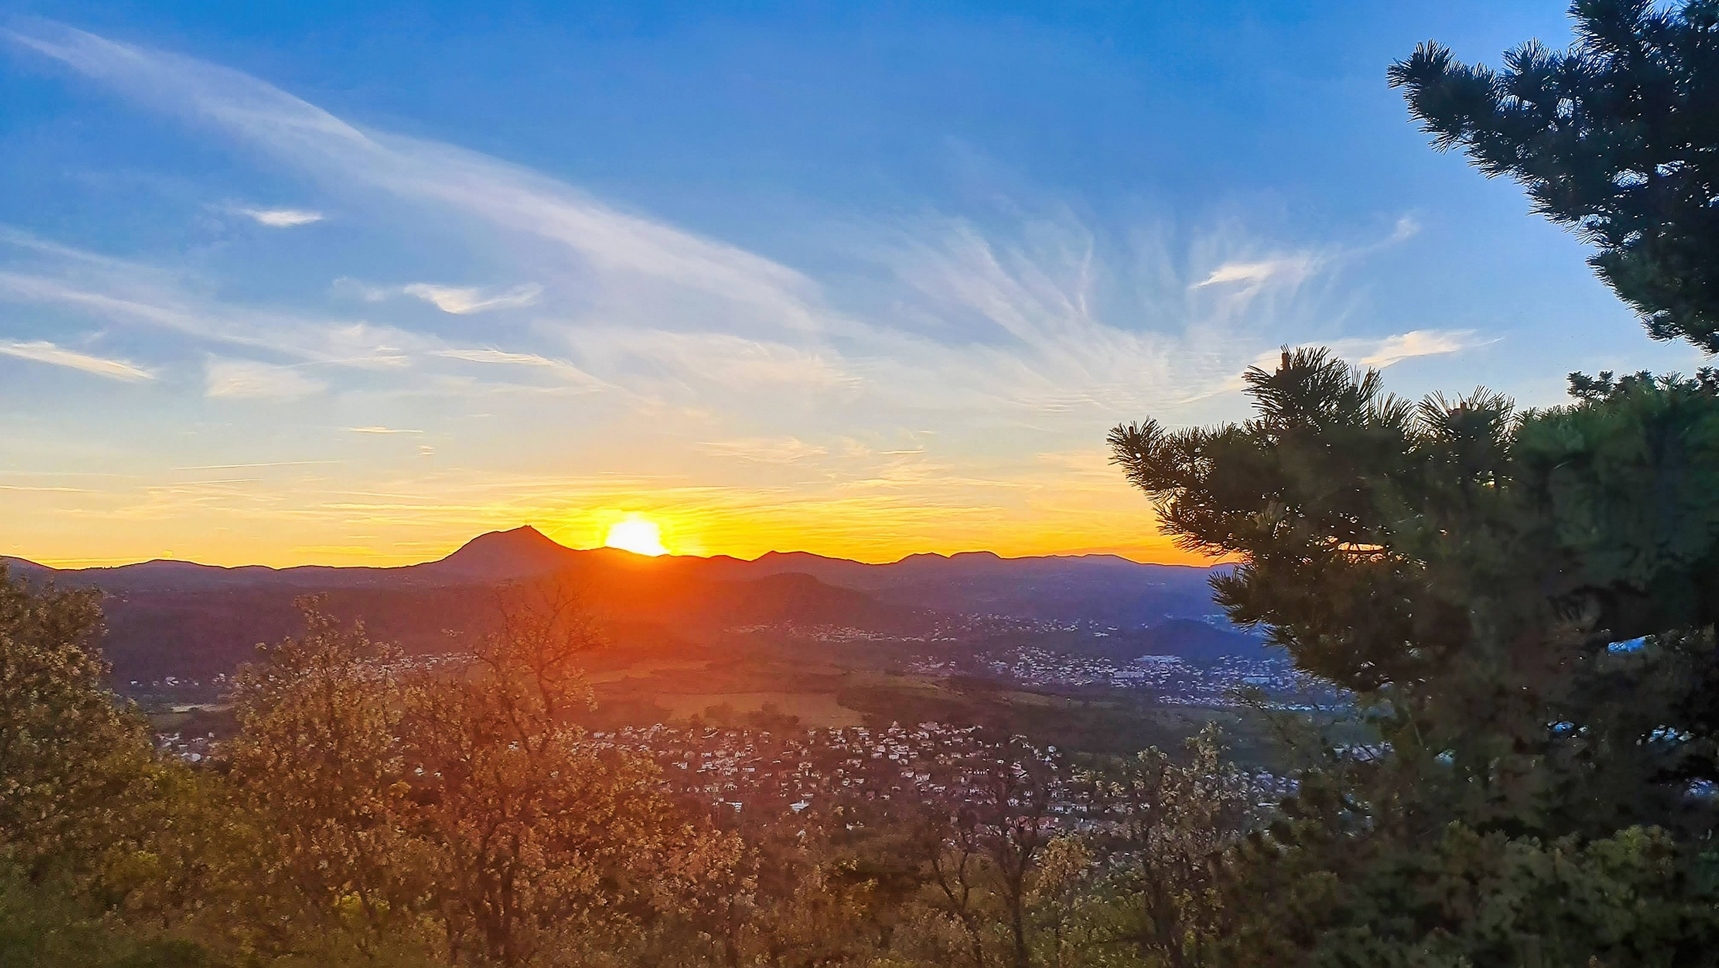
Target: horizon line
{"type": "Point", "coordinates": [89, 564]}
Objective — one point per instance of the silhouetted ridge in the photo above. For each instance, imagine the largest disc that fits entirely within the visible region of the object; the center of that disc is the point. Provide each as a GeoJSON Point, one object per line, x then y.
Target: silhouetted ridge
{"type": "Point", "coordinates": [520, 553]}
{"type": "Point", "coordinates": [181, 616]}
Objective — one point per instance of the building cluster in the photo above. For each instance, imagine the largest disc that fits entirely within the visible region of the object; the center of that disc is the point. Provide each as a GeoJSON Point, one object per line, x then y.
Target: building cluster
{"type": "Point", "coordinates": [758, 770]}
{"type": "Point", "coordinates": [754, 771]}
{"type": "Point", "coordinates": [947, 628]}
{"type": "Point", "coordinates": [1173, 680]}
{"type": "Point", "coordinates": [179, 685]}
{"type": "Point", "coordinates": [191, 749]}
{"type": "Point", "coordinates": [185, 692]}
{"type": "Point", "coordinates": [854, 771]}
{"type": "Point", "coordinates": [841, 633]}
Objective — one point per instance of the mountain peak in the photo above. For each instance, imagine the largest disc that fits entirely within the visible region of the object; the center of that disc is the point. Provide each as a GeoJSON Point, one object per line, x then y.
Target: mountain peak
{"type": "Point", "coordinates": [521, 552]}
{"type": "Point", "coordinates": [522, 535]}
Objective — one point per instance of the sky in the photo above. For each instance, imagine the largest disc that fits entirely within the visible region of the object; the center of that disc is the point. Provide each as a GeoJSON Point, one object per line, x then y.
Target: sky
{"type": "Point", "coordinates": [291, 283]}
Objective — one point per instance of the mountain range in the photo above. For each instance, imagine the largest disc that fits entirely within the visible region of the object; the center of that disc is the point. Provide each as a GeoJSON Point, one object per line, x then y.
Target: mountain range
{"type": "Point", "coordinates": [183, 618]}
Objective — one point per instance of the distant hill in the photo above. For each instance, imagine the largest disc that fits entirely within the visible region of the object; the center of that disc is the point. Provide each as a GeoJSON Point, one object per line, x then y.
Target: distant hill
{"type": "Point", "coordinates": [190, 619]}
{"type": "Point", "coordinates": [1106, 589]}
{"type": "Point", "coordinates": [488, 559]}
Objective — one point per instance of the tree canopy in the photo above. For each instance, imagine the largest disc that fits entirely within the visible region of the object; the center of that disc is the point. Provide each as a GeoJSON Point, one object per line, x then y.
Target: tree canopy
{"type": "Point", "coordinates": [71, 760]}
{"type": "Point", "coordinates": [1616, 136]}
{"type": "Point", "coordinates": [1523, 605]}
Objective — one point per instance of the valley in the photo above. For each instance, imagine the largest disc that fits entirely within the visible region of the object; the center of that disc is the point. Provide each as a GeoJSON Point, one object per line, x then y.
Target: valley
{"type": "Point", "coordinates": [1093, 653]}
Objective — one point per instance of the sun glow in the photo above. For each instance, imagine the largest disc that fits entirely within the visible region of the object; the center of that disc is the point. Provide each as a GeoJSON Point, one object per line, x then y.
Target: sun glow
{"type": "Point", "coordinates": [636, 534]}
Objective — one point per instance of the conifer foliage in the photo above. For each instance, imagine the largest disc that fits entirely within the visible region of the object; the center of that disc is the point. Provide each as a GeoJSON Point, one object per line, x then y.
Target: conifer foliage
{"type": "Point", "coordinates": [1523, 605]}
{"type": "Point", "coordinates": [1618, 137]}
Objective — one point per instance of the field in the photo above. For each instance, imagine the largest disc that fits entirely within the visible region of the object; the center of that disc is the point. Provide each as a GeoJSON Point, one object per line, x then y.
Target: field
{"type": "Point", "coordinates": [812, 709]}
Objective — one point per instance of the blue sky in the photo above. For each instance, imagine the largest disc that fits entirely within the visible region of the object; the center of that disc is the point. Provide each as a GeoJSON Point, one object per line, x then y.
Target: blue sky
{"type": "Point", "coordinates": [293, 282]}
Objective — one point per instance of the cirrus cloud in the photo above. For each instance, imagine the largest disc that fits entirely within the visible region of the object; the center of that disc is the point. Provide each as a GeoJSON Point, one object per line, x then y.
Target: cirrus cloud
{"type": "Point", "coordinates": [767, 450]}
{"type": "Point", "coordinates": [1406, 346]}
{"type": "Point", "coordinates": [42, 351]}
{"type": "Point", "coordinates": [1250, 276]}
{"type": "Point", "coordinates": [281, 218]}
{"type": "Point", "coordinates": [251, 380]}
{"type": "Point", "coordinates": [463, 301]}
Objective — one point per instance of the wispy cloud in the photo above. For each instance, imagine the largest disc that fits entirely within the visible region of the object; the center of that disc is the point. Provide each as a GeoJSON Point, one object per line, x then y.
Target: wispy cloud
{"type": "Point", "coordinates": [1251, 276]}
{"type": "Point", "coordinates": [381, 430]}
{"type": "Point", "coordinates": [41, 351]}
{"type": "Point", "coordinates": [117, 291]}
{"type": "Point", "coordinates": [1051, 323]}
{"type": "Point", "coordinates": [1407, 346]}
{"type": "Point", "coordinates": [670, 313]}
{"type": "Point", "coordinates": [769, 450]}
{"type": "Point", "coordinates": [48, 489]}
{"type": "Point", "coordinates": [1407, 227]}
{"type": "Point", "coordinates": [628, 253]}
{"type": "Point", "coordinates": [1377, 353]}
{"type": "Point", "coordinates": [1382, 352]}
{"type": "Point", "coordinates": [1245, 277]}
{"type": "Point", "coordinates": [251, 380]}
{"type": "Point", "coordinates": [281, 218]}
{"type": "Point", "coordinates": [490, 355]}
{"type": "Point", "coordinates": [738, 364]}
{"type": "Point", "coordinates": [465, 301]}
{"type": "Point", "coordinates": [250, 464]}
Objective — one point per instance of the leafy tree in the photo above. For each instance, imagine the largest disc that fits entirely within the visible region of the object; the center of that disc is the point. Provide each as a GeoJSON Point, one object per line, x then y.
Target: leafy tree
{"type": "Point", "coordinates": [1616, 136]}
{"type": "Point", "coordinates": [985, 853]}
{"type": "Point", "coordinates": [1063, 902]}
{"type": "Point", "coordinates": [458, 812]}
{"type": "Point", "coordinates": [1166, 879]}
{"type": "Point", "coordinates": [73, 762]}
{"type": "Point", "coordinates": [320, 756]}
{"type": "Point", "coordinates": [1531, 637]}
{"type": "Point", "coordinates": [47, 926]}
{"type": "Point", "coordinates": [536, 837]}
{"type": "Point", "coordinates": [856, 883]}
{"type": "Point", "coordinates": [103, 847]}
{"type": "Point", "coordinates": [200, 873]}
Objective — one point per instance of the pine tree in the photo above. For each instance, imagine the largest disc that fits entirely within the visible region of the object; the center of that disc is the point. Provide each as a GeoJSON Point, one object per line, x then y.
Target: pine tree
{"type": "Point", "coordinates": [1618, 137]}
{"type": "Point", "coordinates": [1523, 606]}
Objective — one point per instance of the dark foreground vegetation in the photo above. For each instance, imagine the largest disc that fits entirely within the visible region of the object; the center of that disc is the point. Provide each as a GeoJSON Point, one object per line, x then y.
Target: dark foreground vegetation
{"type": "Point", "coordinates": [1522, 604]}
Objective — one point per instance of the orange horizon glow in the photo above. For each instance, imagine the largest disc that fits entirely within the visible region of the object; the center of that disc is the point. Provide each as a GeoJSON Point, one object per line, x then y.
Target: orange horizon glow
{"type": "Point", "coordinates": [1157, 553]}
{"type": "Point", "coordinates": [637, 534]}
{"type": "Point", "coordinates": [1060, 504]}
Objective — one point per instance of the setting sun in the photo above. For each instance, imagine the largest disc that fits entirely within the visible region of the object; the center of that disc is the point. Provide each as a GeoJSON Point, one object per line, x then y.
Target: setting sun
{"type": "Point", "coordinates": [636, 534]}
